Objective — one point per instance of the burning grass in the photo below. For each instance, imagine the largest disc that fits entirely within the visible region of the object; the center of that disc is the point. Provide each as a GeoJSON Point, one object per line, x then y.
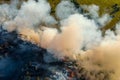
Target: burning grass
{"type": "Point", "coordinates": [75, 50]}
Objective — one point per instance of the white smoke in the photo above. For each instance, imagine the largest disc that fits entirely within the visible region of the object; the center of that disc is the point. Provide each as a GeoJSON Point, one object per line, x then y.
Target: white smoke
{"type": "Point", "coordinates": [104, 19]}
{"type": "Point", "coordinates": [79, 34]}
{"type": "Point", "coordinates": [93, 12]}
{"type": "Point", "coordinates": [30, 18]}
{"type": "Point", "coordinates": [64, 9]}
{"type": "Point", "coordinates": [92, 9]}
{"type": "Point", "coordinates": [7, 12]}
{"type": "Point", "coordinates": [118, 28]}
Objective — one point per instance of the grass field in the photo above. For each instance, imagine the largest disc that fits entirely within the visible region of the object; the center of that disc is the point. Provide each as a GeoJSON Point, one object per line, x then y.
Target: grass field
{"type": "Point", "coordinates": [103, 4]}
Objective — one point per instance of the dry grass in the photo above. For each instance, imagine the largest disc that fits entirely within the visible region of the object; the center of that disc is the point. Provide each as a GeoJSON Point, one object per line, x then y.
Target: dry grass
{"type": "Point", "coordinates": [103, 4]}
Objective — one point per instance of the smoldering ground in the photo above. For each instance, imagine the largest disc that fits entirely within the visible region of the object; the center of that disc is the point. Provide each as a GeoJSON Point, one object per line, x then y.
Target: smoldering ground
{"type": "Point", "coordinates": [80, 38]}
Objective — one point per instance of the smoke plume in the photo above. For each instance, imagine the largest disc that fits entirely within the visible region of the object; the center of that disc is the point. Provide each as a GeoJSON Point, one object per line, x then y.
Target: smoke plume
{"type": "Point", "coordinates": [80, 38]}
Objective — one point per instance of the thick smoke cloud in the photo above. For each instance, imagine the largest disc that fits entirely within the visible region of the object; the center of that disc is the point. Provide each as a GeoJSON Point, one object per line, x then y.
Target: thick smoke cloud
{"type": "Point", "coordinates": [103, 58]}
{"type": "Point", "coordinates": [30, 18]}
{"type": "Point", "coordinates": [64, 9]}
{"type": "Point", "coordinates": [80, 37]}
{"type": "Point", "coordinates": [7, 12]}
{"type": "Point", "coordinates": [74, 35]}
